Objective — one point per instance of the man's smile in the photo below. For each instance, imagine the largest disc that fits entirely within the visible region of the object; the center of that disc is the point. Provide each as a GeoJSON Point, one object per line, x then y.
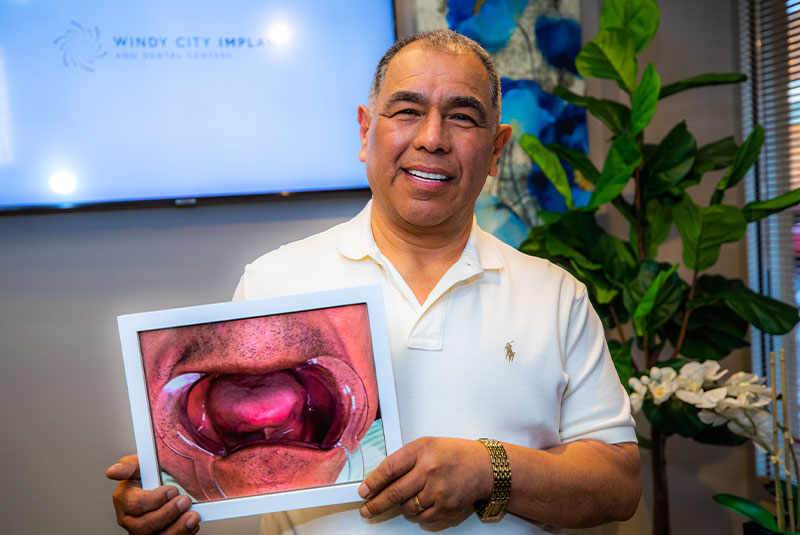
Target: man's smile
{"type": "Point", "coordinates": [428, 176]}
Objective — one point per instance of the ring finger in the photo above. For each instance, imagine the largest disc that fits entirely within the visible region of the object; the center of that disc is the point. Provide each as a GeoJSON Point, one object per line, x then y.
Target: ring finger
{"type": "Point", "coordinates": [415, 505]}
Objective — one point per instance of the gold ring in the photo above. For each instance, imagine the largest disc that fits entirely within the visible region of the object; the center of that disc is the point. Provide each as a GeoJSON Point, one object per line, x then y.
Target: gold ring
{"type": "Point", "coordinates": [418, 505]}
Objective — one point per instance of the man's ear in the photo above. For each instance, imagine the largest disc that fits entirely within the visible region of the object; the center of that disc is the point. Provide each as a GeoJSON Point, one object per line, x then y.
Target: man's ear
{"type": "Point", "coordinates": [501, 138]}
{"type": "Point", "coordinates": [364, 121]}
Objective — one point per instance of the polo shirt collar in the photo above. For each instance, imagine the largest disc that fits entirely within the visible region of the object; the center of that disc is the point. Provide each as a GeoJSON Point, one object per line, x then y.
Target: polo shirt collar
{"type": "Point", "coordinates": [356, 242]}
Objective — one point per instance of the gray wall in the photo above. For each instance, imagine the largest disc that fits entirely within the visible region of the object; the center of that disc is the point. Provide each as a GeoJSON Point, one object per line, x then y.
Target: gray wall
{"type": "Point", "coordinates": [64, 277]}
{"type": "Point", "coordinates": [63, 280]}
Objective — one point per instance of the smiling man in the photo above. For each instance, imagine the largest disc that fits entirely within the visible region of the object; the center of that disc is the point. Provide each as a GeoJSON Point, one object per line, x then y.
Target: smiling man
{"type": "Point", "coordinates": [485, 341]}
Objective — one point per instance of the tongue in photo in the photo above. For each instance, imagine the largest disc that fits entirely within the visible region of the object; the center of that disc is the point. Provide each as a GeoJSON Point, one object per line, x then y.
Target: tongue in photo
{"type": "Point", "coordinates": [272, 403]}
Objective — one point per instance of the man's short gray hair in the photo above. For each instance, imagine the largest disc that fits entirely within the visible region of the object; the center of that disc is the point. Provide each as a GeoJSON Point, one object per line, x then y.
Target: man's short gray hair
{"type": "Point", "coordinates": [446, 40]}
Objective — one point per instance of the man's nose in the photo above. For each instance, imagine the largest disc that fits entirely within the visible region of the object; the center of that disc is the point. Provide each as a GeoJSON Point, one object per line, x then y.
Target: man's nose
{"type": "Point", "coordinates": [432, 134]}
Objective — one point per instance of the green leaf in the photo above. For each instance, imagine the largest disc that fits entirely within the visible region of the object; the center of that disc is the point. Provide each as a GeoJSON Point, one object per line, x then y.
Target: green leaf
{"type": "Point", "coordinates": [645, 99]}
{"type": "Point", "coordinates": [674, 416]}
{"type": "Point", "coordinates": [713, 286]}
{"type": "Point", "coordinates": [615, 255]}
{"type": "Point", "coordinates": [748, 509]}
{"type": "Point", "coordinates": [711, 334]}
{"type": "Point", "coordinates": [578, 160]}
{"type": "Point", "coordinates": [549, 164]}
{"type": "Point", "coordinates": [716, 155]}
{"type": "Point", "coordinates": [746, 155]}
{"type": "Point", "coordinates": [534, 244]}
{"type": "Point", "coordinates": [753, 211]}
{"type": "Point", "coordinates": [670, 161]}
{"type": "Point", "coordinates": [638, 17]}
{"type": "Point", "coordinates": [648, 300]}
{"type": "Point", "coordinates": [611, 55]}
{"type": "Point", "coordinates": [626, 209]}
{"type": "Point", "coordinates": [601, 290]}
{"type": "Point", "coordinates": [668, 299]}
{"type": "Point", "coordinates": [659, 223]}
{"type": "Point", "coordinates": [704, 230]}
{"type": "Point", "coordinates": [604, 311]}
{"type": "Point", "coordinates": [547, 216]}
{"type": "Point", "coordinates": [763, 312]}
{"type": "Point", "coordinates": [701, 81]}
{"type": "Point", "coordinates": [621, 356]}
{"type": "Point", "coordinates": [622, 159]}
{"type": "Point", "coordinates": [616, 116]}
{"type": "Point", "coordinates": [558, 247]}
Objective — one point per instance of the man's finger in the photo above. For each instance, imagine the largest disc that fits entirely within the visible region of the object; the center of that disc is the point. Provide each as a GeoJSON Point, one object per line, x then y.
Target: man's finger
{"type": "Point", "coordinates": [396, 493]}
{"type": "Point", "coordinates": [126, 468]}
{"type": "Point", "coordinates": [132, 500]}
{"type": "Point", "coordinates": [172, 518]}
{"type": "Point", "coordinates": [391, 468]}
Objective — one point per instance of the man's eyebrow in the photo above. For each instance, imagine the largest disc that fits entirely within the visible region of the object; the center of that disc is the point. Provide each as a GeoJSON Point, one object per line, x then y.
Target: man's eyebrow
{"type": "Point", "coordinates": [469, 102]}
{"type": "Point", "coordinates": [406, 96]}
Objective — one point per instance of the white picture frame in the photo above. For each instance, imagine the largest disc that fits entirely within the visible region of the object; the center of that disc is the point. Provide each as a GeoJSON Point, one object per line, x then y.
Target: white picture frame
{"type": "Point", "coordinates": [203, 380]}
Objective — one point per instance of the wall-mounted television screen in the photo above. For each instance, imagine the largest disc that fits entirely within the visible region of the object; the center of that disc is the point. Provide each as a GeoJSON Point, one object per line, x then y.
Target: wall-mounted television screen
{"type": "Point", "coordinates": [153, 100]}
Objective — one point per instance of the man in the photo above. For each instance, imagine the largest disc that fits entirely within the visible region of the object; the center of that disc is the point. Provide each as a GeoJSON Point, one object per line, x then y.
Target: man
{"type": "Point", "coordinates": [485, 341]}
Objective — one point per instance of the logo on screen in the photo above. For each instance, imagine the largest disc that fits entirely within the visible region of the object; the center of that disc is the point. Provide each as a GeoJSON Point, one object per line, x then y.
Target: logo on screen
{"type": "Point", "coordinates": [80, 47]}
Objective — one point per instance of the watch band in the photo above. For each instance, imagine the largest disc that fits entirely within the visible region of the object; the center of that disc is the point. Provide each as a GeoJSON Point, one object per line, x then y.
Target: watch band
{"type": "Point", "coordinates": [501, 486]}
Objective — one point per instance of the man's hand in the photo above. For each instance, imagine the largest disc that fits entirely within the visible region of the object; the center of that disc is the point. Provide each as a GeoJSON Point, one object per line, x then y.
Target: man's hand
{"type": "Point", "coordinates": [447, 475]}
{"type": "Point", "coordinates": [145, 512]}
{"type": "Point", "coordinates": [575, 485]}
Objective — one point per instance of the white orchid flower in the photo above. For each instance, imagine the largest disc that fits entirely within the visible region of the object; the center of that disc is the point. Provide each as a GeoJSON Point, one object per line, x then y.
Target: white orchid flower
{"type": "Point", "coordinates": [663, 374]}
{"type": "Point", "coordinates": [662, 384]}
{"type": "Point", "coordinates": [637, 399]}
{"type": "Point", "coordinates": [695, 375]}
{"type": "Point", "coordinates": [745, 400]}
{"type": "Point", "coordinates": [747, 382]}
{"type": "Point", "coordinates": [711, 418]}
{"type": "Point", "coordinates": [755, 424]}
{"type": "Point", "coordinates": [637, 385]}
{"type": "Point", "coordinates": [702, 399]}
{"type": "Point", "coordinates": [661, 391]}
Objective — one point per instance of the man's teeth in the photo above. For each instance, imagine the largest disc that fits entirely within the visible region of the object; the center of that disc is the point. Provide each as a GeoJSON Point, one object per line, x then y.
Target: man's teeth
{"type": "Point", "coordinates": [428, 176]}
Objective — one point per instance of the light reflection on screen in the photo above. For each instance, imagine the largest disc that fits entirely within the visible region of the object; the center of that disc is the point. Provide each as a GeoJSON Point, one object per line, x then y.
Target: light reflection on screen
{"type": "Point", "coordinates": [115, 101]}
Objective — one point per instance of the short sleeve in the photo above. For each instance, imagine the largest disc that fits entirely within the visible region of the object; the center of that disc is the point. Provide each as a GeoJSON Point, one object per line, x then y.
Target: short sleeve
{"type": "Point", "coordinates": [594, 404]}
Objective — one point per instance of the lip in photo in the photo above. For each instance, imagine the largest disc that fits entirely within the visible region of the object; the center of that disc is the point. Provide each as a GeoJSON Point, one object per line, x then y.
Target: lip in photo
{"type": "Point", "coordinates": [265, 405]}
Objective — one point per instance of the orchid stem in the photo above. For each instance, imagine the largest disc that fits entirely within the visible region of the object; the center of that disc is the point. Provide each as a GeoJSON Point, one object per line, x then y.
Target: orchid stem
{"type": "Point", "coordinates": [787, 444]}
{"type": "Point", "coordinates": [776, 474]}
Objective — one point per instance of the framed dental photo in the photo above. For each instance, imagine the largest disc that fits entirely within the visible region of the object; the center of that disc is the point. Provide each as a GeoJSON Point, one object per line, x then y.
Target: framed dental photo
{"type": "Point", "coordinates": [263, 405]}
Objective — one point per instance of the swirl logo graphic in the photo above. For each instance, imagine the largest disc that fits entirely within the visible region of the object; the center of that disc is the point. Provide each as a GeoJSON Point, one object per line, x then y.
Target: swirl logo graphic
{"type": "Point", "coordinates": [80, 47]}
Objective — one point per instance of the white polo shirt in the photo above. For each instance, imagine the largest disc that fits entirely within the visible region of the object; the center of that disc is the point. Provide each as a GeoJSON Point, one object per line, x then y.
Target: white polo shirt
{"type": "Point", "coordinates": [452, 374]}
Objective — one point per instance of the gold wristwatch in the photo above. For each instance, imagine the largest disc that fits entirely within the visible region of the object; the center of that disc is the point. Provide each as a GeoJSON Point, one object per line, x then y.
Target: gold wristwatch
{"type": "Point", "coordinates": [492, 508]}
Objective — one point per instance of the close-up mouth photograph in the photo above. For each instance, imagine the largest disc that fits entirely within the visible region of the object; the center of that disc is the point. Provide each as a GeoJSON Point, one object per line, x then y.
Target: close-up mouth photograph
{"type": "Point", "coordinates": [285, 399]}
{"type": "Point", "coordinates": [392, 267]}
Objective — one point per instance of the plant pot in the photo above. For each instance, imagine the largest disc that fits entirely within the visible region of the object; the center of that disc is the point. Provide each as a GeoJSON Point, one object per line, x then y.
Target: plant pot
{"type": "Point", "coordinates": [751, 528]}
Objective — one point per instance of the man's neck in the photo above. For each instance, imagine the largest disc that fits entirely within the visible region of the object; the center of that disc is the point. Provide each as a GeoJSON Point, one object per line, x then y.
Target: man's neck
{"type": "Point", "coordinates": [422, 256]}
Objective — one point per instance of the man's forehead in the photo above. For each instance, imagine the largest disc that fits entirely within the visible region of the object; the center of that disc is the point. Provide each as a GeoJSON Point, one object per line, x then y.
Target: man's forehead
{"type": "Point", "coordinates": [420, 59]}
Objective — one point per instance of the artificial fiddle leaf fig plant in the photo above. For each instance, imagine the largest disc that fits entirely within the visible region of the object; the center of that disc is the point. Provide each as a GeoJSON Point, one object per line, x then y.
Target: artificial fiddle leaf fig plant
{"type": "Point", "coordinates": [643, 301]}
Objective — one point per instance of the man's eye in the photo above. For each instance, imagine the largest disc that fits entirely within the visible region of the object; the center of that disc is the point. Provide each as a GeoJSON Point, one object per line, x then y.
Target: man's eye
{"type": "Point", "coordinates": [406, 112]}
{"type": "Point", "coordinates": [462, 117]}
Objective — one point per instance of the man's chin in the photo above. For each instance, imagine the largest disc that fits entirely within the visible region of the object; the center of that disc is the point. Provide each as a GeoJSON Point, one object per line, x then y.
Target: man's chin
{"type": "Point", "coordinates": [262, 469]}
